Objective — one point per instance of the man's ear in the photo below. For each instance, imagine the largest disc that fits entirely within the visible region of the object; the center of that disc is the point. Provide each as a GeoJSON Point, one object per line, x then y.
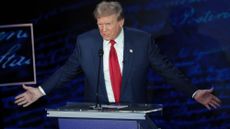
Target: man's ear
{"type": "Point", "coordinates": [121, 22]}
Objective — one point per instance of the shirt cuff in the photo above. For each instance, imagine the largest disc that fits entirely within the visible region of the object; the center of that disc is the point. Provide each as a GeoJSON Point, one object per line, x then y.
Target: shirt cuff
{"type": "Point", "coordinates": [43, 92]}
{"type": "Point", "coordinates": [193, 95]}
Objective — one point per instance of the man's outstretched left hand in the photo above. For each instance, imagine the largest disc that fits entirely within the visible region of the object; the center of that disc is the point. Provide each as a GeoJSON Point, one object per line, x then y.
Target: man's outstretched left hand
{"type": "Point", "coordinates": [206, 98]}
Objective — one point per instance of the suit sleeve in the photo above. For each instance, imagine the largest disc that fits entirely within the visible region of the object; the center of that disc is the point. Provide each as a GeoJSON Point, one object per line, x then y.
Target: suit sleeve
{"type": "Point", "coordinates": [168, 71]}
{"type": "Point", "coordinates": [64, 74]}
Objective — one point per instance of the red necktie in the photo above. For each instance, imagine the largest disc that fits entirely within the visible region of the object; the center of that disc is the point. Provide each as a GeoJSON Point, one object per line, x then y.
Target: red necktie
{"type": "Point", "coordinates": [115, 72]}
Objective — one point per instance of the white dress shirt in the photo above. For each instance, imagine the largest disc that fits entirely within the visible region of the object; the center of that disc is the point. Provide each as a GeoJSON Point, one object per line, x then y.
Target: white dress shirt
{"type": "Point", "coordinates": [119, 46]}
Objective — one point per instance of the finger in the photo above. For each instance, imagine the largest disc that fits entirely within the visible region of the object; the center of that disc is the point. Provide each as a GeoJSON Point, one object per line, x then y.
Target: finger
{"type": "Point", "coordinates": [19, 100]}
{"type": "Point", "coordinates": [210, 90]}
{"type": "Point", "coordinates": [25, 87]}
{"type": "Point", "coordinates": [216, 99]}
{"type": "Point", "coordinates": [208, 107]}
{"type": "Point", "coordinates": [22, 103]}
{"type": "Point", "coordinates": [20, 96]}
{"type": "Point", "coordinates": [27, 104]}
{"type": "Point", "coordinates": [213, 105]}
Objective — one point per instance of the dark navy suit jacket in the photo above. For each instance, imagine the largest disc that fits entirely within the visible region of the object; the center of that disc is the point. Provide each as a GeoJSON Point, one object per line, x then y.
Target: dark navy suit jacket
{"type": "Point", "coordinates": [140, 53]}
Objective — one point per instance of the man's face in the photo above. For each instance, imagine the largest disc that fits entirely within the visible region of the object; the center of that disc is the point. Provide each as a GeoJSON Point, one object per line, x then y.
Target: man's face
{"type": "Point", "coordinates": [109, 26]}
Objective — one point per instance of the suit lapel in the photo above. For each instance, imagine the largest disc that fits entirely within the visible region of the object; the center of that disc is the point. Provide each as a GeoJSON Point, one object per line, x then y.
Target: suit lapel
{"type": "Point", "coordinates": [127, 61]}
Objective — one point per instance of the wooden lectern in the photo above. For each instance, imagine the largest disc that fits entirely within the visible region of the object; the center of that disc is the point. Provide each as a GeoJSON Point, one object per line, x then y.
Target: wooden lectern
{"type": "Point", "coordinates": [112, 116]}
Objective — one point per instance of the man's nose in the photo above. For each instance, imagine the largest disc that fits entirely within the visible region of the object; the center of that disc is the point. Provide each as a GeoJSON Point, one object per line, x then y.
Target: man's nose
{"type": "Point", "coordinates": [104, 28]}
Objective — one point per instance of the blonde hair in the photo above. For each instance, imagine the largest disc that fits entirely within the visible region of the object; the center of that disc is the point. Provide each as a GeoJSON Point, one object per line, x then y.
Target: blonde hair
{"type": "Point", "coordinates": [106, 8]}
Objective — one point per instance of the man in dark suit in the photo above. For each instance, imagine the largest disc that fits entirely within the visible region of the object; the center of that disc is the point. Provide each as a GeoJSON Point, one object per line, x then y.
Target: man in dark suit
{"type": "Point", "coordinates": [127, 55]}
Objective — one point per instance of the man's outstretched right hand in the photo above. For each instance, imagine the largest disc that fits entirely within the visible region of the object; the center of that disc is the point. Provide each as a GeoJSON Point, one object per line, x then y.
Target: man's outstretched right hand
{"type": "Point", "coordinates": [28, 97]}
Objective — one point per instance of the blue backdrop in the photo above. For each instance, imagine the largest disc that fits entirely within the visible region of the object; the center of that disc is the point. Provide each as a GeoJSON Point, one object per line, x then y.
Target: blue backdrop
{"type": "Point", "coordinates": [192, 33]}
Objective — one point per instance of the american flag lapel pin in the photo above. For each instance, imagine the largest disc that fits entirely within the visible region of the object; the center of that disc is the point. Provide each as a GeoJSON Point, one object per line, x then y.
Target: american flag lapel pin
{"type": "Point", "coordinates": [130, 50]}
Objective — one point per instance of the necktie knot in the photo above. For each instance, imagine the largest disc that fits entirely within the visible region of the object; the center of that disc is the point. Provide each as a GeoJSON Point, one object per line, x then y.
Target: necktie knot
{"type": "Point", "coordinates": [112, 42]}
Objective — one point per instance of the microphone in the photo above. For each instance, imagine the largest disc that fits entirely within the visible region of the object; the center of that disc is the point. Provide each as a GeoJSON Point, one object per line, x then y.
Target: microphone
{"type": "Point", "coordinates": [100, 54]}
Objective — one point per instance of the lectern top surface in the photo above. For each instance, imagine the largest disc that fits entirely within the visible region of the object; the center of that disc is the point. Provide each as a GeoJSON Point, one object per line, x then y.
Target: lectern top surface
{"type": "Point", "coordinates": [105, 111]}
{"type": "Point", "coordinates": [145, 108]}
